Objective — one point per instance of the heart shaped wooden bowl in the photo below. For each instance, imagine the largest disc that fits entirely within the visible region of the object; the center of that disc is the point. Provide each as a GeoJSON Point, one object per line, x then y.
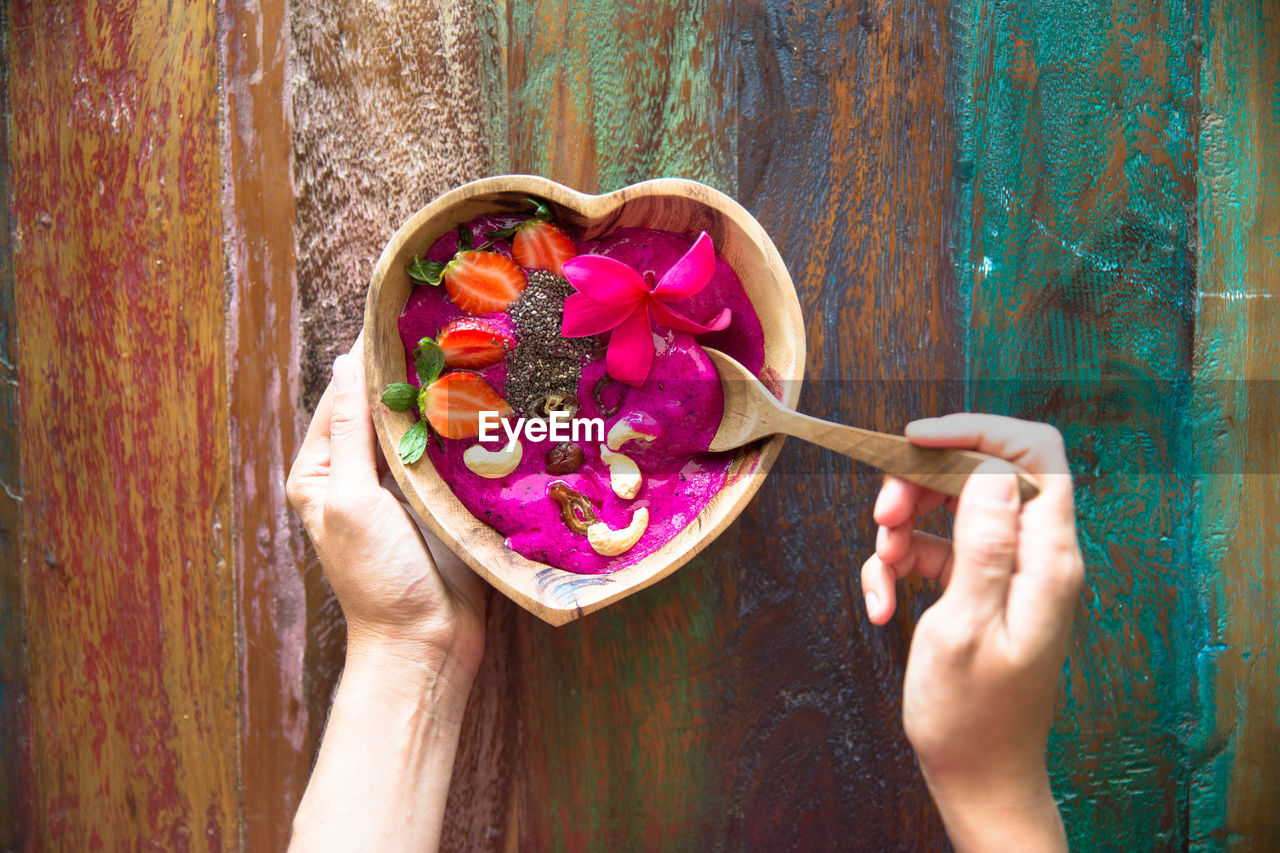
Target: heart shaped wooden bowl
{"type": "Point", "coordinates": [685, 207]}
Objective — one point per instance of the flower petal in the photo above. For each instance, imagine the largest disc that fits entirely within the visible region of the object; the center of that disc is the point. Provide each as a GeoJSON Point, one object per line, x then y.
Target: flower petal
{"type": "Point", "coordinates": [605, 279]}
{"type": "Point", "coordinates": [689, 274]}
{"type": "Point", "coordinates": [631, 349]}
{"type": "Point", "coordinates": [586, 316]}
{"type": "Point", "coordinates": [675, 320]}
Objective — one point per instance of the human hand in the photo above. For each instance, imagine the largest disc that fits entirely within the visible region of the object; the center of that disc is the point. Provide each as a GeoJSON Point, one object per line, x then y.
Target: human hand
{"type": "Point", "coordinates": [399, 596]}
{"type": "Point", "coordinates": [982, 674]}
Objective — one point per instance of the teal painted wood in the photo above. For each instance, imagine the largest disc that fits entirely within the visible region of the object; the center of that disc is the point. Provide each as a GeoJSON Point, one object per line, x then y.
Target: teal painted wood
{"type": "Point", "coordinates": [1235, 789]}
{"type": "Point", "coordinates": [1076, 257]}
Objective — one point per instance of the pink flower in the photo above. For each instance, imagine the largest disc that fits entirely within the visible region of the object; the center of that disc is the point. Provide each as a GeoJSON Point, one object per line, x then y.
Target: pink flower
{"type": "Point", "coordinates": [611, 295]}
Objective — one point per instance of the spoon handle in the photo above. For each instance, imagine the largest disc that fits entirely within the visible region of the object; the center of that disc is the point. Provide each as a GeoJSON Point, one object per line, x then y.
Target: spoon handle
{"type": "Point", "coordinates": [943, 470]}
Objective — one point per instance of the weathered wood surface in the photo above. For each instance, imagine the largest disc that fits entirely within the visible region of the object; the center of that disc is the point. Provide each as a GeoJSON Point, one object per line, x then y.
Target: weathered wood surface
{"type": "Point", "coordinates": [1074, 206]}
{"type": "Point", "coordinates": [277, 723]}
{"type": "Point", "coordinates": [16, 792]}
{"type": "Point", "coordinates": [126, 541]}
{"type": "Point", "coordinates": [1078, 263]}
{"type": "Point", "coordinates": [1236, 410]}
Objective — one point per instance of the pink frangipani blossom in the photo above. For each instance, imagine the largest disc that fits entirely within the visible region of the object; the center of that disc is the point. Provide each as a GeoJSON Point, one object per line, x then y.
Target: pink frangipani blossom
{"type": "Point", "coordinates": [612, 295]}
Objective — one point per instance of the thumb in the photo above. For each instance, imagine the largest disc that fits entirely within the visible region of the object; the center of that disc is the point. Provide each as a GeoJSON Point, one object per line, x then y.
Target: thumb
{"type": "Point", "coordinates": [985, 541]}
{"type": "Point", "coordinates": [352, 464]}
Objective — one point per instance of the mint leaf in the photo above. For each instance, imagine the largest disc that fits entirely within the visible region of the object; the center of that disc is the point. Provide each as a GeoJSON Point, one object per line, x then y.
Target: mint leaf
{"type": "Point", "coordinates": [503, 233]}
{"type": "Point", "coordinates": [400, 396]}
{"type": "Point", "coordinates": [414, 443]}
{"type": "Point", "coordinates": [428, 360]}
{"type": "Point", "coordinates": [541, 210]}
{"type": "Point", "coordinates": [427, 272]}
{"type": "Point", "coordinates": [465, 239]}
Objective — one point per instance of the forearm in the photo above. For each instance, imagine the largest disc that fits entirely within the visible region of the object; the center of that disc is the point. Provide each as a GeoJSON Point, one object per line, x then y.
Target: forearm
{"type": "Point", "coordinates": [995, 816]}
{"type": "Point", "coordinates": [382, 776]}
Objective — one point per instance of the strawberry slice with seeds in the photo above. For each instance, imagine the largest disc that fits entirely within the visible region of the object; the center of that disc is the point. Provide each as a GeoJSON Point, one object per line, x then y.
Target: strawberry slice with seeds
{"type": "Point", "coordinates": [478, 281]}
{"type": "Point", "coordinates": [483, 282]}
{"type": "Point", "coordinates": [538, 243]}
{"type": "Point", "coordinates": [453, 403]}
{"type": "Point", "coordinates": [473, 344]}
{"type": "Point", "coordinates": [541, 245]}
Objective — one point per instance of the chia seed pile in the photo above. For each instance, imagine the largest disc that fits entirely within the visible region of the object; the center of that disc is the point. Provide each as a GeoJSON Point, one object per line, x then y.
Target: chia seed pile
{"type": "Point", "coordinates": [545, 364]}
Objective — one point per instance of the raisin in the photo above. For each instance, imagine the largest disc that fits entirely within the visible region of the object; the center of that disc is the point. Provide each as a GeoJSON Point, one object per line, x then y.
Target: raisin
{"type": "Point", "coordinates": [565, 458]}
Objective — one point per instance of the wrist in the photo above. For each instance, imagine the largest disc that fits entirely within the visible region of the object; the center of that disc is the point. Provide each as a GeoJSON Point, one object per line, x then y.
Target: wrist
{"type": "Point", "coordinates": [992, 811]}
{"type": "Point", "coordinates": [408, 674]}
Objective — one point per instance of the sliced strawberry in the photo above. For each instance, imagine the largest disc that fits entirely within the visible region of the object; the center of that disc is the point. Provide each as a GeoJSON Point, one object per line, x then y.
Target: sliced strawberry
{"type": "Point", "coordinates": [541, 245]}
{"type": "Point", "coordinates": [474, 344]}
{"type": "Point", "coordinates": [453, 403]}
{"type": "Point", "coordinates": [482, 282]}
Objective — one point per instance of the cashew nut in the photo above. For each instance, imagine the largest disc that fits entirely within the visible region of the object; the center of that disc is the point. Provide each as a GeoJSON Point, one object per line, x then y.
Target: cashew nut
{"type": "Point", "coordinates": [493, 463]}
{"type": "Point", "coordinates": [610, 543]}
{"type": "Point", "coordinates": [624, 474]}
{"type": "Point", "coordinates": [624, 431]}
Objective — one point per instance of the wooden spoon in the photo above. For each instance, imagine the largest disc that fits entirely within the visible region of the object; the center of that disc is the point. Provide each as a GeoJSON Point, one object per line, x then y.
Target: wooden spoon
{"type": "Point", "coordinates": [751, 413]}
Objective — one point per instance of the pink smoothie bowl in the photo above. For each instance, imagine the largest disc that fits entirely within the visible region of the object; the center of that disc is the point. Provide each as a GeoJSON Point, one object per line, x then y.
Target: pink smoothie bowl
{"type": "Point", "coordinates": [668, 204]}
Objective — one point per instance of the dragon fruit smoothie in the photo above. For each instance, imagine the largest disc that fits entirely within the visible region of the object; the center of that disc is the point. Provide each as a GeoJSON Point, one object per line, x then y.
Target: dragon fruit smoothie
{"type": "Point", "coordinates": [678, 403]}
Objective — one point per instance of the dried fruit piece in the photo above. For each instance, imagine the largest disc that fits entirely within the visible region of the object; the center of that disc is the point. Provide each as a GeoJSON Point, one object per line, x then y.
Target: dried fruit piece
{"type": "Point", "coordinates": [453, 403]}
{"type": "Point", "coordinates": [473, 344]}
{"type": "Point", "coordinates": [575, 509]}
{"type": "Point", "coordinates": [565, 458]}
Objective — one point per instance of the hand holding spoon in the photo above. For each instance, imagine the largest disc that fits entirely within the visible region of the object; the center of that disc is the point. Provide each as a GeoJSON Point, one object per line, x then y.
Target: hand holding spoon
{"type": "Point", "coordinates": [751, 413]}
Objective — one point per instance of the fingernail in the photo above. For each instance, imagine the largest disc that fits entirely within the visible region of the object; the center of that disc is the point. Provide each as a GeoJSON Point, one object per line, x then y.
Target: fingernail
{"type": "Point", "coordinates": [873, 604]}
{"type": "Point", "coordinates": [993, 483]}
{"type": "Point", "coordinates": [343, 376]}
{"type": "Point", "coordinates": [882, 538]}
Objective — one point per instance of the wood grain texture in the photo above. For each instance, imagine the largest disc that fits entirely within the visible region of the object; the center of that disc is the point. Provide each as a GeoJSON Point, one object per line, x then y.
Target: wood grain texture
{"type": "Point", "coordinates": [1235, 786]}
{"type": "Point", "coordinates": [387, 115]}
{"type": "Point", "coordinates": [1078, 264]}
{"type": "Point", "coordinates": [121, 372]}
{"type": "Point", "coordinates": [17, 794]}
{"type": "Point", "coordinates": [845, 154]}
{"type": "Point", "coordinates": [276, 725]}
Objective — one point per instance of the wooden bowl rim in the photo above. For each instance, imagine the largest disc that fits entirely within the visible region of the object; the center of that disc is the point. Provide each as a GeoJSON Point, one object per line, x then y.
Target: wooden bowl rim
{"type": "Point", "coordinates": [756, 460]}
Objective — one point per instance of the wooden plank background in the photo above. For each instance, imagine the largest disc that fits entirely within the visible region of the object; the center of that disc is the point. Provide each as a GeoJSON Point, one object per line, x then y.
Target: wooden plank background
{"type": "Point", "coordinates": [1063, 211]}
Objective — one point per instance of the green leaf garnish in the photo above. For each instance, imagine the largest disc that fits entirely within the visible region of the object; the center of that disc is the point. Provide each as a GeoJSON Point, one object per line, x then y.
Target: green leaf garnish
{"type": "Point", "coordinates": [465, 239]}
{"type": "Point", "coordinates": [400, 396]}
{"type": "Point", "coordinates": [503, 233]}
{"type": "Point", "coordinates": [414, 443]}
{"type": "Point", "coordinates": [541, 210]}
{"type": "Point", "coordinates": [427, 272]}
{"type": "Point", "coordinates": [541, 213]}
{"type": "Point", "coordinates": [428, 360]}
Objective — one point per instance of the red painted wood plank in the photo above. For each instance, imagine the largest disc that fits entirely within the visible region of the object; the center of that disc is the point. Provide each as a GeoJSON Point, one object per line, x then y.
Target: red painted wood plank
{"type": "Point", "coordinates": [121, 370]}
{"type": "Point", "coordinates": [278, 725]}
